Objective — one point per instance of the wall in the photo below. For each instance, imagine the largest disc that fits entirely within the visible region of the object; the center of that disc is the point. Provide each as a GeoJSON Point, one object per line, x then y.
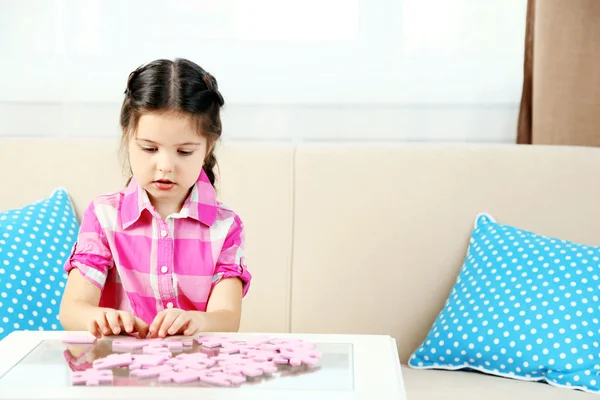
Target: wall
{"type": "Point", "coordinates": [411, 70]}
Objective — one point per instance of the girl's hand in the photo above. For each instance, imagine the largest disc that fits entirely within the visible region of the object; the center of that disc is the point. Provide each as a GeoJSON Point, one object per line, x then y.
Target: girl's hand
{"type": "Point", "coordinates": [176, 321]}
{"type": "Point", "coordinates": [107, 321]}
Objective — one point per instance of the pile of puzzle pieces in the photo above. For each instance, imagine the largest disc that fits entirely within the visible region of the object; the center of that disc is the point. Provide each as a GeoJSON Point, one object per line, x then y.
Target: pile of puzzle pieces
{"type": "Point", "coordinates": [237, 359]}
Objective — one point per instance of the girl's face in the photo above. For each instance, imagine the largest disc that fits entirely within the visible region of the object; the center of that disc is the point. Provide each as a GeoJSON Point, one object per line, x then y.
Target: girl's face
{"type": "Point", "coordinates": [166, 156]}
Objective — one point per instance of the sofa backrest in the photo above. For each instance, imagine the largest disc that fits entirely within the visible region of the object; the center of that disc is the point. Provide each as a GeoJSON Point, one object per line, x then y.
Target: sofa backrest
{"type": "Point", "coordinates": [350, 238]}
{"type": "Point", "coordinates": [381, 231]}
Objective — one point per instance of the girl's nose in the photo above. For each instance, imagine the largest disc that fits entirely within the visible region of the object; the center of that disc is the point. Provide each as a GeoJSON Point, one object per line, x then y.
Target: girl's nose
{"type": "Point", "coordinates": [165, 163]}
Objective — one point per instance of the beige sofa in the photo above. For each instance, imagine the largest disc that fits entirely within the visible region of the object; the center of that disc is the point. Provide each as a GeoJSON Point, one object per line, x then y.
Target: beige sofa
{"type": "Point", "coordinates": [348, 238]}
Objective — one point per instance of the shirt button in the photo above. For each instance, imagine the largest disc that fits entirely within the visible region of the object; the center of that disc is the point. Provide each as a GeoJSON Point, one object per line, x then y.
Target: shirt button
{"type": "Point", "coordinates": [164, 269]}
{"type": "Point", "coordinates": [163, 233]}
{"type": "Point", "coordinates": [169, 305]}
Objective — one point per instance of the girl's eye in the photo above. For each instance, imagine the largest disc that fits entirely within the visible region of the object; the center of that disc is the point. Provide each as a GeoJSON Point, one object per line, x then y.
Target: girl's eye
{"type": "Point", "coordinates": [185, 152]}
{"type": "Point", "coordinates": [149, 149]}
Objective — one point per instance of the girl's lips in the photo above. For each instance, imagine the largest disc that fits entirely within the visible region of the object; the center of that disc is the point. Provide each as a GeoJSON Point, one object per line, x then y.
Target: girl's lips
{"type": "Point", "coordinates": [164, 184]}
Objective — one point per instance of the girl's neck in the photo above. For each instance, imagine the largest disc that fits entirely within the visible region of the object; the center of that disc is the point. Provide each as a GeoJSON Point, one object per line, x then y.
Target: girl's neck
{"type": "Point", "coordinates": [166, 208]}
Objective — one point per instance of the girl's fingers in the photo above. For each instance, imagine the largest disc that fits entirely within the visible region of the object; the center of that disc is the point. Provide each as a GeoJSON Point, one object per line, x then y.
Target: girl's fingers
{"type": "Point", "coordinates": [127, 320]}
{"type": "Point", "coordinates": [168, 320]}
{"type": "Point", "coordinates": [191, 330]}
{"type": "Point", "coordinates": [93, 328]}
{"type": "Point", "coordinates": [103, 326]}
{"type": "Point", "coordinates": [112, 317]}
{"type": "Point", "coordinates": [156, 324]}
{"type": "Point", "coordinates": [181, 321]}
{"type": "Point", "coordinates": [141, 327]}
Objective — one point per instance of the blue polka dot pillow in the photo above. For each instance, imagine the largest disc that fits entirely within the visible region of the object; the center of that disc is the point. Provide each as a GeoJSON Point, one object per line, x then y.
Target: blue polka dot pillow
{"type": "Point", "coordinates": [524, 306]}
{"type": "Point", "coordinates": [34, 243]}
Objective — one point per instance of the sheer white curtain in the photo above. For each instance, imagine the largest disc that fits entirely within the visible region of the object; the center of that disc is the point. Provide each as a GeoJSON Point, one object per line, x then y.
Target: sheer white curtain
{"type": "Point", "coordinates": [444, 70]}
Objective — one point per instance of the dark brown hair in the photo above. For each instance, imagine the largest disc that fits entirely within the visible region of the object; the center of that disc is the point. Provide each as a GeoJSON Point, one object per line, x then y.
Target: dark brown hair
{"type": "Point", "coordinates": [175, 86]}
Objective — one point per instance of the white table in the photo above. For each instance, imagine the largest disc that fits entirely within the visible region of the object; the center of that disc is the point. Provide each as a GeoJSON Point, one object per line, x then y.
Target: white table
{"type": "Point", "coordinates": [352, 367]}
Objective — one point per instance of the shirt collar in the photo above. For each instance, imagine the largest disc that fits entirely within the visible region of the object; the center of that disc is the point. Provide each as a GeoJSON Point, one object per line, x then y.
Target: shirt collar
{"type": "Point", "coordinates": [201, 203]}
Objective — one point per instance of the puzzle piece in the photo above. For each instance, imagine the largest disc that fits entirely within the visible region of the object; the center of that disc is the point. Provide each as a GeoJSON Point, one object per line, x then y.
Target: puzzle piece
{"type": "Point", "coordinates": [269, 347]}
{"type": "Point", "coordinates": [187, 342]}
{"type": "Point", "coordinates": [150, 372]}
{"type": "Point", "coordinates": [292, 343]}
{"type": "Point", "coordinates": [242, 348]}
{"type": "Point", "coordinates": [113, 361]}
{"type": "Point", "coordinates": [79, 338]}
{"type": "Point", "coordinates": [192, 361]}
{"type": "Point", "coordinates": [250, 368]}
{"type": "Point", "coordinates": [257, 369]}
{"type": "Point", "coordinates": [219, 378]}
{"type": "Point", "coordinates": [216, 341]}
{"type": "Point", "coordinates": [279, 360]}
{"type": "Point", "coordinates": [147, 360]}
{"type": "Point", "coordinates": [238, 364]}
{"type": "Point", "coordinates": [262, 355]}
{"type": "Point", "coordinates": [184, 342]}
{"type": "Point", "coordinates": [183, 376]}
{"type": "Point", "coordinates": [91, 377]}
{"type": "Point", "coordinates": [258, 340]}
{"type": "Point", "coordinates": [174, 345]}
{"type": "Point", "coordinates": [232, 358]}
{"type": "Point", "coordinates": [158, 349]}
{"type": "Point", "coordinates": [300, 355]}
{"type": "Point", "coordinates": [129, 344]}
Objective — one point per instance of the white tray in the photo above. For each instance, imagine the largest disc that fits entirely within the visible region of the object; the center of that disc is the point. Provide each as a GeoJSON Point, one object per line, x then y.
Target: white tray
{"type": "Point", "coordinates": [33, 366]}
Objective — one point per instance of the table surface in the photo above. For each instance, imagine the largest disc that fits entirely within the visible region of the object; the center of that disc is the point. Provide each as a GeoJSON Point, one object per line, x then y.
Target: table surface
{"type": "Point", "coordinates": [32, 366]}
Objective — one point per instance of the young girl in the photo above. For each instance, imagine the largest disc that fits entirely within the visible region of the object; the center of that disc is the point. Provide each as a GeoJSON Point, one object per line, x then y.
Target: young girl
{"type": "Point", "coordinates": [162, 256]}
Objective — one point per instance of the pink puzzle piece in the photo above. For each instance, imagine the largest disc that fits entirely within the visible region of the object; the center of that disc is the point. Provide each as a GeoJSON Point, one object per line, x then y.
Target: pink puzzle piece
{"type": "Point", "coordinates": [262, 355]}
{"type": "Point", "coordinates": [91, 377]}
{"type": "Point", "coordinates": [150, 372]}
{"type": "Point", "coordinates": [224, 357]}
{"type": "Point", "coordinates": [148, 360]}
{"type": "Point", "coordinates": [248, 365]}
{"type": "Point", "coordinates": [291, 342]}
{"type": "Point", "coordinates": [269, 347]}
{"type": "Point", "coordinates": [195, 363]}
{"type": "Point", "coordinates": [174, 345]}
{"type": "Point", "coordinates": [191, 356]}
{"type": "Point", "coordinates": [187, 342]}
{"type": "Point", "coordinates": [219, 378]}
{"type": "Point", "coordinates": [299, 355]}
{"type": "Point", "coordinates": [129, 344]}
{"type": "Point", "coordinates": [280, 360]}
{"type": "Point", "coordinates": [232, 348]}
{"type": "Point", "coordinates": [156, 349]}
{"type": "Point", "coordinates": [184, 342]}
{"type": "Point", "coordinates": [184, 376]}
{"type": "Point", "coordinates": [113, 361]}
{"type": "Point", "coordinates": [252, 369]}
{"type": "Point", "coordinates": [258, 340]}
{"type": "Point", "coordinates": [79, 338]}
{"type": "Point", "coordinates": [217, 341]}
{"type": "Point", "coordinates": [232, 359]}
{"type": "Point", "coordinates": [229, 350]}
{"type": "Point", "coordinates": [214, 341]}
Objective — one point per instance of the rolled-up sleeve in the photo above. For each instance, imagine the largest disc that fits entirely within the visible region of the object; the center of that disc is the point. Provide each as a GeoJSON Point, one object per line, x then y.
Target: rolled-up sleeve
{"type": "Point", "coordinates": [91, 253]}
{"type": "Point", "coordinates": [231, 262]}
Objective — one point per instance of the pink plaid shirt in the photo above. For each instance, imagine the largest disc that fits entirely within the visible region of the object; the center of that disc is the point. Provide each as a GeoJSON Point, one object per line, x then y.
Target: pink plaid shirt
{"type": "Point", "coordinates": [145, 264]}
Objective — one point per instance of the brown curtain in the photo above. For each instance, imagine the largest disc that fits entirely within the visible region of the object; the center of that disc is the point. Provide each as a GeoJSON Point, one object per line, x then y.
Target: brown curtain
{"type": "Point", "coordinates": [561, 75]}
{"type": "Point", "coordinates": [524, 127]}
